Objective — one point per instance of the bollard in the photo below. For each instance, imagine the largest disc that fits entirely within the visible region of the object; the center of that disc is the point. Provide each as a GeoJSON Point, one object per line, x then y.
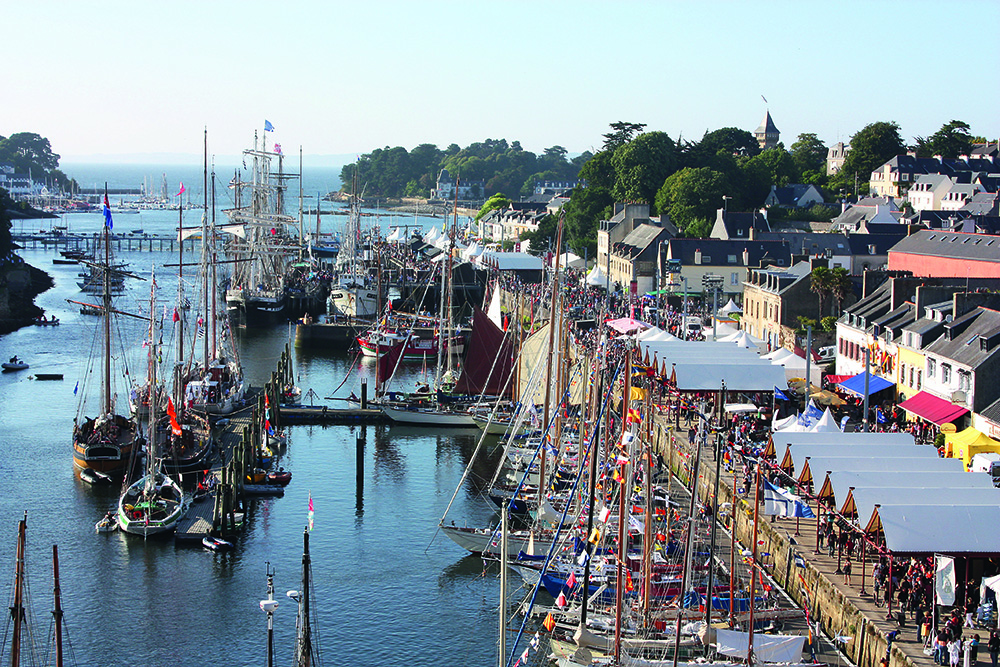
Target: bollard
{"type": "Point", "coordinates": [364, 394]}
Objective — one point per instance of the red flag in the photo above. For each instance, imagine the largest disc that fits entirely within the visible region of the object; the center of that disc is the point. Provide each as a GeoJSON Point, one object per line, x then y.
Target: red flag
{"type": "Point", "coordinates": [628, 580]}
{"type": "Point", "coordinates": [549, 623]}
{"type": "Point", "coordinates": [183, 190]}
{"type": "Point", "coordinates": [571, 582]}
{"type": "Point", "coordinates": [561, 601]}
{"type": "Point", "coordinates": [175, 428]}
{"type": "Point", "coordinates": [177, 316]}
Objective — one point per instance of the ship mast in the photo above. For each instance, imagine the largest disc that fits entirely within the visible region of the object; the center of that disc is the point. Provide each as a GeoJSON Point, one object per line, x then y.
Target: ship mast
{"type": "Point", "coordinates": [57, 612]}
{"type": "Point", "coordinates": [106, 385]}
{"type": "Point", "coordinates": [204, 255]}
{"type": "Point", "coordinates": [17, 608]}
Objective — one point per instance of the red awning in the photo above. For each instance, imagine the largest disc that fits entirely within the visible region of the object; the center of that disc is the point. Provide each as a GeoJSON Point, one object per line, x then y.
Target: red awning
{"type": "Point", "coordinates": [932, 408]}
{"type": "Point", "coordinates": [836, 379]}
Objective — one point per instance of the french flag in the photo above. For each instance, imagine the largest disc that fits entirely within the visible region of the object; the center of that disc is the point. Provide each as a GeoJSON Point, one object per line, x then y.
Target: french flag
{"type": "Point", "coordinates": [107, 213]}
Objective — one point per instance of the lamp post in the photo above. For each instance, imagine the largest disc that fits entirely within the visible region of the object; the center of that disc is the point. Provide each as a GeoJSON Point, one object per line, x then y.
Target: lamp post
{"type": "Point", "coordinates": [268, 606]}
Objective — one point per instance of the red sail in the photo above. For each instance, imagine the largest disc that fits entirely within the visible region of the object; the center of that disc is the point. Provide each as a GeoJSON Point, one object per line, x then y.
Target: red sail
{"type": "Point", "coordinates": [387, 362]}
{"type": "Point", "coordinates": [487, 345]}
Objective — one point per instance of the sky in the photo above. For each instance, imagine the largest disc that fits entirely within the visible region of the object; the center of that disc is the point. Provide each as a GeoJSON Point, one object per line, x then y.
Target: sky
{"type": "Point", "coordinates": [111, 81]}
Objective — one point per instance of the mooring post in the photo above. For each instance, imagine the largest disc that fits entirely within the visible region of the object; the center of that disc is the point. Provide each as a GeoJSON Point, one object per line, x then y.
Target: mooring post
{"type": "Point", "coordinates": [364, 394]}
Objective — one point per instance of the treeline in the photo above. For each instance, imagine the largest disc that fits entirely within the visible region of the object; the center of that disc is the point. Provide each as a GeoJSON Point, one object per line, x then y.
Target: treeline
{"type": "Point", "coordinates": [31, 153]}
{"type": "Point", "coordinates": [504, 168]}
{"type": "Point", "coordinates": [690, 181]}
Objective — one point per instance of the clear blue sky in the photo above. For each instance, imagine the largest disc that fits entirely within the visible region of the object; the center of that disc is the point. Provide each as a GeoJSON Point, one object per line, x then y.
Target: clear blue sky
{"type": "Point", "coordinates": [141, 78]}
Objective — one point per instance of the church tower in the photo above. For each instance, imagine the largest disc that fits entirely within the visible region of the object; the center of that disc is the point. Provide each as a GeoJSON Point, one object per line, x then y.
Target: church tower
{"type": "Point", "coordinates": [767, 133]}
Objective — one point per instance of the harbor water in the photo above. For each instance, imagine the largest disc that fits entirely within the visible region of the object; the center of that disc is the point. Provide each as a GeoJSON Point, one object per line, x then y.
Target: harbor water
{"type": "Point", "coordinates": [387, 590]}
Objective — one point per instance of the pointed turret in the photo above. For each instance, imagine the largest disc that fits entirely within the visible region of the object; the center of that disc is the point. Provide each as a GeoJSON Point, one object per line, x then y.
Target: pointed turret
{"type": "Point", "coordinates": [767, 134]}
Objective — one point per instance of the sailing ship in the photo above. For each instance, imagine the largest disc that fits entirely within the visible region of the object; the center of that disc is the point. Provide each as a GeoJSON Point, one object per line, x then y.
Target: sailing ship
{"type": "Point", "coordinates": [260, 241]}
{"type": "Point", "coordinates": [154, 503]}
{"type": "Point", "coordinates": [377, 342]}
{"type": "Point", "coordinates": [353, 295]}
{"type": "Point", "coordinates": [104, 442]}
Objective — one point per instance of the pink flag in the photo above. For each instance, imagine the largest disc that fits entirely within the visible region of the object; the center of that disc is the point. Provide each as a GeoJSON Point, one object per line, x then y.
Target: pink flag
{"type": "Point", "coordinates": [571, 582]}
{"type": "Point", "coordinates": [605, 515]}
{"type": "Point", "coordinates": [182, 191]}
{"type": "Point", "coordinates": [561, 601]}
{"type": "Point", "coordinates": [310, 510]}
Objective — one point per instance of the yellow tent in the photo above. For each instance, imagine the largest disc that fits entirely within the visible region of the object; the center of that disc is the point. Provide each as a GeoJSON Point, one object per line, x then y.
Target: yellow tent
{"type": "Point", "coordinates": [966, 444]}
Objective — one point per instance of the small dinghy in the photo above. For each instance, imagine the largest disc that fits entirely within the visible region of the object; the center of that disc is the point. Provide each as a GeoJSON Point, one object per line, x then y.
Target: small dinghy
{"type": "Point", "coordinates": [14, 364]}
{"type": "Point", "coordinates": [282, 477]}
{"type": "Point", "coordinates": [107, 524]}
{"type": "Point", "coordinates": [213, 543]}
{"type": "Point", "coordinates": [95, 477]}
{"type": "Point", "coordinates": [42, 322]}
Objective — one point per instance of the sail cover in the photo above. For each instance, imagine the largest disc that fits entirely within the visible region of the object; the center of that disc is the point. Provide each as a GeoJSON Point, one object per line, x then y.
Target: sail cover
{"type": "Point", "coordinates": [490, 359]}
{"type": "Point", "coordinates": [766, 648]}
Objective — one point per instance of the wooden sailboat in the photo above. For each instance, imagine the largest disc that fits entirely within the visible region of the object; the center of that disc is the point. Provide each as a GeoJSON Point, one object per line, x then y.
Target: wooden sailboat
{"type": "Point", "coordinates": [353, 296]}
{"type": "Point", "coordinates": [104, 442]}
{"type": "Point", "coordinates": [154, 503]}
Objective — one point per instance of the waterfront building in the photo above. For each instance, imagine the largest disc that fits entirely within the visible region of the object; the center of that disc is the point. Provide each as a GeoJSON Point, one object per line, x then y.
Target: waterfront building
{"type": "Point", "coordinates": [943, 254]}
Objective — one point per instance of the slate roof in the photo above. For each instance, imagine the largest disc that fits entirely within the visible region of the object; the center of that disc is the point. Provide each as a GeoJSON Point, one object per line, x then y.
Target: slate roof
{"type": "Point", "coordinates": [719, 250]}
{"type": "Point", "coordinates": [809, 243]}
{"type": "Point", "coordinates": [638, 240]}
{"type": "Point", "coordinates": [979, 322]}
{"type": "Point", "coordinates": [767, 125]}
{"type": "Point", "coordinates": [859, 244]}
{"type": "Point", "coordinates": [790, 195]}
{"type": "Point", "coordinates": [953, 245]}
{"type": "Point", "coordinates": [737, 224]}
{"type": "Point", "coordinates": [931, 165]}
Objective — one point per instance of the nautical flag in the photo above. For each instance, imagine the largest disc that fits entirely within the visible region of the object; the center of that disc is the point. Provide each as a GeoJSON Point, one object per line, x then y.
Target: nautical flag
{"type": "Point", "coordinates": [535, 641]}
{"type": "Point", "coordinates": [621, 460]}
{"type": "Point", "coordinates": [182, 190]}
{"type": "Point", "coordinates": [277, 149]}
{"type": "Point", "coordinates": [581, 560]}
{"type": "Point", "coordinates": [177, 316]}
{"type": "Point", "coordinates": [175, 428]}
{"type": "Point", "coordinates": [780, 502]}
{"type": "Point", "coordinates": [605, 514]}
{"type": "Point", "coordinates": [595, 536]}
{"type": "Point", "coordinates": [310, 511]}
{"type": "Point", "coordinates": [268, 127]}
{"type": "Point", "coordinates": [561, 600]}
{"type": "Point", "coordinates": [524, 656]}
{"type": "Point", "coordinates": [628, 581]}
{"type": "Point", "coordinates": [571, 582]}
{"type": "Point", "coordinates": [201, 332]}
{"type": "Point", "coordinates": [549, 622]}
{"type": "Point", "coordinates": [267, 427]}
{"type": "Point", "coordinates": [107, 213]}
{"type": "Point", "coordinates": [76, 388]}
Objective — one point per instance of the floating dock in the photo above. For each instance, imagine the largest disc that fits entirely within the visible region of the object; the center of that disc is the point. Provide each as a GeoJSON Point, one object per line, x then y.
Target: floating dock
{"type": "Point", "coordinates": [322, 414]}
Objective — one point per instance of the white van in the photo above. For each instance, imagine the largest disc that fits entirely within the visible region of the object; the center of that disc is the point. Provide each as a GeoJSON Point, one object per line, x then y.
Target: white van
{"type": "Point", "coordinates": [692, 328]}
{"type": "Point", "coordinates": [987, 462]}
{"type": "Point", "coordinates": [827, 353]}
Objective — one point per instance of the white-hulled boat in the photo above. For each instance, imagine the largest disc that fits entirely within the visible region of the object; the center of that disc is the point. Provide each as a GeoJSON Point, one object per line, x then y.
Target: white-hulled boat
{"type": "Point", "coordinates": [428, 417]}
{"type": "Point", "coordinates": [155, 502]}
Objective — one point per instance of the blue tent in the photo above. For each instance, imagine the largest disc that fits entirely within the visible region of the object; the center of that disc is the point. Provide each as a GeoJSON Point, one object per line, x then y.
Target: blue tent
{"type": "Point", "coordinates": [856, 384]}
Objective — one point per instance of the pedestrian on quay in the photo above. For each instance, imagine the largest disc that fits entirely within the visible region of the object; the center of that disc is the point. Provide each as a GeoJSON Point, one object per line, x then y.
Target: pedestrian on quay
{"type": "Point", "coordinates": [974, 650]}
{"type": "Point", "coordinates": [994, 646]}
{"type": "Point", "coordinates": [847, 573]}
{"type": "Point", "coordinates": [954, 651]}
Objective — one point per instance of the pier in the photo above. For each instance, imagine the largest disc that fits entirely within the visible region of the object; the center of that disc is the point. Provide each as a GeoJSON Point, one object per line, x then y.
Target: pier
{"type": "Point", "coordinates": [119, 242]}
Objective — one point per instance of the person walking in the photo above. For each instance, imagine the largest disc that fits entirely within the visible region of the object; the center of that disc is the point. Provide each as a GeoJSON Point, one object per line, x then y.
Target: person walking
{"type": "Point", "coordinates": [847, 573]}
{"type": "Point", "coordinates": [994, 647]}
{"type": "Point", "coordinates": [974, 650]}
{"type": "Point", "coordinates": [954, 651]}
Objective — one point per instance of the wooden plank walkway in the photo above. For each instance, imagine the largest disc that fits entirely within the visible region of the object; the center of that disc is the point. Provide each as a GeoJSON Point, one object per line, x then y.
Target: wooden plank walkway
{"type": "Point", "coordinates": [198, 521]}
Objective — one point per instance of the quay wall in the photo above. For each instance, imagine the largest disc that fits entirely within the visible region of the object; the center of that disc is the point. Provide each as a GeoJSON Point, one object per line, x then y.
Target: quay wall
{"type": "Point", "coordinates": [837, 614]}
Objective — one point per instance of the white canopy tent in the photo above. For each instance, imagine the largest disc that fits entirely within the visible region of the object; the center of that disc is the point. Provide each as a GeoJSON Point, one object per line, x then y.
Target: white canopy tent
{"type": "Point", "coordinates": [742, 377]}
{"type": "Point", "coordinates": [917, 529]}
{"type": "Point", "coordinates": [819, 465]}
{"type": "Point", "coordinates": [826, 424]}
{"type": "Point", "coordinates": [432, 235]}
{"type": "Point", "coordinates": [597, 278]}
{"type": "Point", "coordinates": [884, 453]}
{"type": "Point", "coordinates": [569, 260]}
{"type": "Point", "coordinates": [649, 333]}
{"type": "Point", "coordinates": [854, 438]}
{"type": "Point", "coordinates": [842, 481]}
{"type": "Point", "coordinates": [865, 499]}
{"type": "Point", "coordinates": [730, 308]}
{"type": "Point", "coordinates": [774, 356]}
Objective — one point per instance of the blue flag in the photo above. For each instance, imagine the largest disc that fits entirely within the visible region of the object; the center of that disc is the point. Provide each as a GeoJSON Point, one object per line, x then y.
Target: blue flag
{"type": "Point", "coordinates": [780, 395]}
{"type": "Point", "coordinates": [76, 387]}
{"type": "Point", "coordinates": [107, 213]}
{"type": "Point", "coordinates": [268, 127]}
{"type": "Point", "coordinates": [779, 502]}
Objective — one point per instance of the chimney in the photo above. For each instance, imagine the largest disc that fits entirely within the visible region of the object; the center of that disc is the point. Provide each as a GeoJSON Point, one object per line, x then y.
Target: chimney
{"type": "Point", "coordinates": [746, 257]}
{"type": "Point", "coordinates": [697, 256]}
{"type": "Point", "coordinates": [843, 205]}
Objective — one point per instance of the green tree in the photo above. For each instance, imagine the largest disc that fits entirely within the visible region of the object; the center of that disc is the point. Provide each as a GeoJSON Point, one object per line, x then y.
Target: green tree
{"type": "Point", "coordinates": [584, 211]}
{"type": "Point", "coordinates": [496, 201]}
{"type": "Point", "coordinates": [819, 283]}
{"type": "Point", "coordinates": [840, 286]}
{"type": "Point", "coordinates": [692, 194]}
{"type": "Point", "coordinates": [771, 167]}
{"type": "Point", "coordinates": [642, 165]}
{"type": "Point", "coordinates": [952, 140]}
{"type": "Point", "coordinates": [731, 141]}
{"type": "Point", "coordinates": [544, 237]}
{"type": "Point", "coordinates": [809, 154]}
{"type": "Point", "coordinates": [871, 147]}
{"type": "Point", "coordinates": [28, 150]}
{"type": "Point", "coordinates": [599, 171]}
{"type": "Point", "coordinates": [621, 133]}
{"type": "Point", "coordinates": [828, 323]}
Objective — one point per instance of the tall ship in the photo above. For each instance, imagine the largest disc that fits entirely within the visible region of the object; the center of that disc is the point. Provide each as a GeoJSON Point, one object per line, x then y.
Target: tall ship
{"type": "Point", "coordinates": [260, 241]}
{"type": "Point", "coordinates": [352, 294]}
{"type": "Point", "coordinates": [104, 441]}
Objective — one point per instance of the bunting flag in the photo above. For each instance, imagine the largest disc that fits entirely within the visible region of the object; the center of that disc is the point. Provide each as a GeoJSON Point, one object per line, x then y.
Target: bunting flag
{"type": "Point", "coordinates": [267, 426]}
{"type": "Point", "coordinates": [277, 149]}
{"type": "Point", "coordinates": [605, 514]}
{"type": "Point", "coordinates": [76, 388]}
{"type": "Point", "coordinates": [107, 213]}
{"type": "Point", "coordinates": [571, 582]}
{"type": "Point", "coordinates": [561, 600]}
{"type": "Point", "coordinates": [181, 191]}
{"type": "Point", "coordinates": [310, 511]}
{"type": "Point", "coordinates": [177, 316]}
{"type": "Point", "coordinates": [595, 536]}
{"type": "Point", "coordinates": [535, 641]}
{"type": "Point", "coordinates": [268, 127]}
{"type": "Point", "coordinates": [549, 623]}
{"type": "Point", "coordinates": [524, 656]}
{"type": "Point", "coordinates": [175, 428]}
{"type": "Point", "coordinates": [628, 581]}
